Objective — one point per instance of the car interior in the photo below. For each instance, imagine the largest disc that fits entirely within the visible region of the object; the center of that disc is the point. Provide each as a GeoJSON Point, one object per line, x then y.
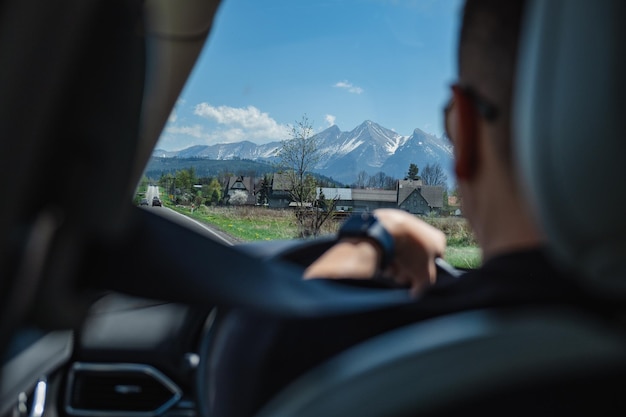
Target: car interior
{"type": "Point", "coordinates": [108, 309]}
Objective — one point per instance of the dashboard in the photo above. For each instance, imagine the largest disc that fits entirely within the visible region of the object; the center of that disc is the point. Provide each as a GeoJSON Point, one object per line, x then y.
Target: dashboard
{"type": "Point", "coordinates": [132, 357]}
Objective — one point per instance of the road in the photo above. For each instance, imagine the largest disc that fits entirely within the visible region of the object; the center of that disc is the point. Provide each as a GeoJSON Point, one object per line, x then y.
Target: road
{"type": "Point", "coordinates": [193, 224]}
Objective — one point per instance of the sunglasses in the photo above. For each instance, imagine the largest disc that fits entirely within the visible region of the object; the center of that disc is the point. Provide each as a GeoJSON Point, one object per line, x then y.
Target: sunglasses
{"type": "Point", "coordinates": [487, 110]}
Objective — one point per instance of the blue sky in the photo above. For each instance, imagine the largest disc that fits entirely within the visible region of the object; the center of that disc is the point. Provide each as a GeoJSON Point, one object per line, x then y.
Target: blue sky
{"type": "Point", "coordinates": [269, 62]}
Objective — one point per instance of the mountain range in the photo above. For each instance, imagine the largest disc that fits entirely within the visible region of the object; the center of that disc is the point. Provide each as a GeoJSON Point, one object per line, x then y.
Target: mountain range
{"type": "Point", "coordinates": [369, 147]}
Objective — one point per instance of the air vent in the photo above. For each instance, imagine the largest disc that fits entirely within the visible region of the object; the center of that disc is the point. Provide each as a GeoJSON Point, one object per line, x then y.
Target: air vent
{"type": "Point", "coordinates": [115, 389]}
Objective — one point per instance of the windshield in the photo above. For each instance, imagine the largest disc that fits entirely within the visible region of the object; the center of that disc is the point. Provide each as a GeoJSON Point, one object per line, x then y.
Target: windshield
{"type": "Point", "coordinates": [365, 80]}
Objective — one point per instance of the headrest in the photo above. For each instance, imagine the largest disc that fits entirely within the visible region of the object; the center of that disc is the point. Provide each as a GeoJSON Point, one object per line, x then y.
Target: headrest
{"type": "Point", "coordinates": [570, 128]}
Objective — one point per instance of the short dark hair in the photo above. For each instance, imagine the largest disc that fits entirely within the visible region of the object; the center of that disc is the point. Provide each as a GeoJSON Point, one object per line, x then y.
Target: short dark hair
{"type": "Point", "coordinates": [487, 58]}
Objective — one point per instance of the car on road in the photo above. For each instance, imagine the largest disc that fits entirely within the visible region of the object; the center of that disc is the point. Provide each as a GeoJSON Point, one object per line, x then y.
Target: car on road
{"type": "Point", "coordinates": [144, 202]}
{"type": "Point", "coordinates": [156, 201]}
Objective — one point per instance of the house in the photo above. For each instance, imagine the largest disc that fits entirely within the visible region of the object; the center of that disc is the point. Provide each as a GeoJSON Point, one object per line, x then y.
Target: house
{"type": "Point", "coordinates": [342, 197]}
{"type": "Point", "coordinates": [279, 195]}
{"type": "Point", "coordinates": [372, 199]}
{"type": "Point", "coordinates": [433, 194]}
{"type": "Point", "coordinates": [417, 198]}
{"type": "Point", "coordinates": [240, 183]}
{"type": "Point", "coordinates": [415, 203]}
{"type": "Point", "coordinates": [410, 195]}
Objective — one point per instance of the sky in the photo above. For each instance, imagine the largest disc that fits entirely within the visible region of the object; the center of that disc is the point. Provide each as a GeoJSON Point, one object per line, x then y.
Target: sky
{"type": "Point", "coordinates": [269, 63]}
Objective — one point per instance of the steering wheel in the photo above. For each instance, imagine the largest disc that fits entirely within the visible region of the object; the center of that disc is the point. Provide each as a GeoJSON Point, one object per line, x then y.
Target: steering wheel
{"type": "Point", "coordinates": [246, 357]}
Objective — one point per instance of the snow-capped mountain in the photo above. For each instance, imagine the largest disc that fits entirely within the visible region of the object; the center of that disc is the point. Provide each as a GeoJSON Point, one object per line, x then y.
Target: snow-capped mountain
{"type": "Point", "coordinates": [222, 151]}
{"type": "Point", "coordinates": [369, 147]}
{"type": "Point", "coordinates": [421, 149]}
{"type": "Point", "coordinates": [368, 143]}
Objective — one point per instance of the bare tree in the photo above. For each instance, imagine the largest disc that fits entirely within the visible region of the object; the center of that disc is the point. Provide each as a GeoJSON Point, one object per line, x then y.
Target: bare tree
{"type": "Point", "coordinates": [362, 179]}
{"type": "Point", "coordinates": [381, 180]}
{"type": "Point", "coordinates": [298, 156]}
{"type": "Point", "coordinates": [434, 175]}
{"type": "Point", "coordinates": [314, 218]}
{"type": "Point", "coordinates": [390, 183]}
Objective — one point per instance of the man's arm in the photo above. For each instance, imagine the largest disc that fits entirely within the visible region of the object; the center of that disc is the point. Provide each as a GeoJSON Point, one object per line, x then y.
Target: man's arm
{"type": "Point", "coordinates": [416, 243]}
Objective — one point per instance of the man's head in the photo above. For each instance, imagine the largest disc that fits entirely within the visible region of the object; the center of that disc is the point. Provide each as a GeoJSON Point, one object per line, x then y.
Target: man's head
{"type": "Point", "coordinates": [478, 122]}
{"type": "Point", "coordinates": [487, 58]}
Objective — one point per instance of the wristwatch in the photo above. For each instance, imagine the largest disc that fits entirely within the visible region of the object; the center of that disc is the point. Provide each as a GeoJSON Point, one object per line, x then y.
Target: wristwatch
{"type": "Point", "coordinates": [366, 225]}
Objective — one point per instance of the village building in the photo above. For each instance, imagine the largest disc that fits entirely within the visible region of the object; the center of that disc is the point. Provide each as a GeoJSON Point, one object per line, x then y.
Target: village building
{"type": "Point", "coordinates": [410, 195]}
{"type": "Point", "coordinates": [341, 196]}
{"type": "Point", "coordinates": [241, 184]}
{"type": "Point", "coordinates": [279, 195]}
{"type": "Point", "coordinates": [369, 199]}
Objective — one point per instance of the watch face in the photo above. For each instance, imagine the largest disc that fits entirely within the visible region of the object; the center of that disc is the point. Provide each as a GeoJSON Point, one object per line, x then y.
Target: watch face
{"type": "Point", "coordinates": [358, 224]}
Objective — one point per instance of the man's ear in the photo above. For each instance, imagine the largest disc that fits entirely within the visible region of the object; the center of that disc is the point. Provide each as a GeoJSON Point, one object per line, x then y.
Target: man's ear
{"type": "Point", "coordinates": [466, 141]}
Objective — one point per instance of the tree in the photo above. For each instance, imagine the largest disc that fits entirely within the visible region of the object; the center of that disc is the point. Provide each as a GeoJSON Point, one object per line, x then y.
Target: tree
{"type": "Point", "coordinates": [264, 190]}
{"type": "Point", "coordinates": [446, 203]}
{"type": "Point", "coordinates": [297, 157]}
{"type": "Point", "coordinates": [412, 172]}
{"type": "Point", "coordinates": [213, 191]}
{"type": "Point", "coordinates": [167, 182]}
{"type": "Point", "coordinates": [362, 179]}
{"type": "Point", "coordinates": [185, 179]}
{"type": "Point", "coordinates": [434, 175]}
{"type": "Point", "coordinates": [323, 210]}
{"type": "Point", "coordinates": [216, 197]}
{"type": "Point", "coordinates": [238, 198]}
{"type": "Point", "coordinates": [381, 180]}
{"type": "Point", "coordinates": [390, 183]}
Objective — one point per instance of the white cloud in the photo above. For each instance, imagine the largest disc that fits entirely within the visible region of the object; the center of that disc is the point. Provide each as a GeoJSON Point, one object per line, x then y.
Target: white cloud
{"type": "Point", "coordinates": [250, 122]}
{"type": "Point", "coordinates": [195, 131]}
{"type": "Point", "coordinates": [330, 119]}
{"type": "Point", "coordinates": [349, 86]}
{"type": "Point", "coordinates": [223, 124]}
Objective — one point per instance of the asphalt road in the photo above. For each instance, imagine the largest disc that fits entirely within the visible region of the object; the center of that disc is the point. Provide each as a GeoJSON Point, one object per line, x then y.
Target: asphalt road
{"type": "Point", "coordinates": [193, 224]}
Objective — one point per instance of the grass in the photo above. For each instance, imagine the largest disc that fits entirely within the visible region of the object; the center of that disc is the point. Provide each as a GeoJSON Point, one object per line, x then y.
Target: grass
{"type": "Point", "coordinates": [463, 256]}
{"type": "Point", "coordinates": [246, 223]}
{"type": "Point", "coordinates": [249, 223]}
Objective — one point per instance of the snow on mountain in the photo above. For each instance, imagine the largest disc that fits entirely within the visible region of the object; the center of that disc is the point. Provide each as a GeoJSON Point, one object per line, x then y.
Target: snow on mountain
{"type": "Point", "coordinates": [421, 148]}
{"type": "Point", "coordinates": [368, 147]}
{"type": "Point", "coordinates": [368, 143]}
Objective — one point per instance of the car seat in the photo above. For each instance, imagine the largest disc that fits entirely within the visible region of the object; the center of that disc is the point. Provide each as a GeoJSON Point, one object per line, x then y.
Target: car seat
{"type": "Point", "coordinates": [570, 128]}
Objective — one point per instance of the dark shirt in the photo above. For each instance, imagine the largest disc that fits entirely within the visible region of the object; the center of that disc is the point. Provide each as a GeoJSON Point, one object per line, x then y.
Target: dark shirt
{"type": "Point", "coordinates": [255, 356]}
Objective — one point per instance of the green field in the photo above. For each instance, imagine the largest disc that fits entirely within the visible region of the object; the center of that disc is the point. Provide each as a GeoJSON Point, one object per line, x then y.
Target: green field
{"type": "Point", "coordinates": [463, 256]}
{"type": "Point", "coordinates": [249, 224]}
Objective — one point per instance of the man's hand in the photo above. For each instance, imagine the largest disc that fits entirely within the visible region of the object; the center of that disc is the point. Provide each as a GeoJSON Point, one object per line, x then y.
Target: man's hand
{"type": "Point", "coordinates": [417, 244]}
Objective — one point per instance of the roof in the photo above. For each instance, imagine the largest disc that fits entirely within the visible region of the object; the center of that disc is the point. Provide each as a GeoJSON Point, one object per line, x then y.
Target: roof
{"type": "Point", "coordinates": [409, 183]}
{"type": "Point", "coordinates": [406, 187]}
{"type": "Point", "coordinates": [246, 181]}
{"type": "Point", "coordinates": [433, 194]}
{"type": "Point", "coordinates": [281, 181]}
{"type": "Point", "coordinates": [375, 195]}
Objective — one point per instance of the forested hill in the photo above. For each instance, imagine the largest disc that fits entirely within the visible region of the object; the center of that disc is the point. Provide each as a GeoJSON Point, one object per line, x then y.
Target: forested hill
{"type": "Point", "coordinates": [203, 167]}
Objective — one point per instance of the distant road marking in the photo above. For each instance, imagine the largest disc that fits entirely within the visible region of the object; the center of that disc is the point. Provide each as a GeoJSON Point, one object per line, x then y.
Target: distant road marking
{"type": "Point", "coordinates": [205, 227]}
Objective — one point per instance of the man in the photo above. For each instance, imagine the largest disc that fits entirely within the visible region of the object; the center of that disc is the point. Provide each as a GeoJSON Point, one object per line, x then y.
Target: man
{"type": "Point", "coordinates": [515, 270]}
{"type": "Point", "coordinates": [478, 122]}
